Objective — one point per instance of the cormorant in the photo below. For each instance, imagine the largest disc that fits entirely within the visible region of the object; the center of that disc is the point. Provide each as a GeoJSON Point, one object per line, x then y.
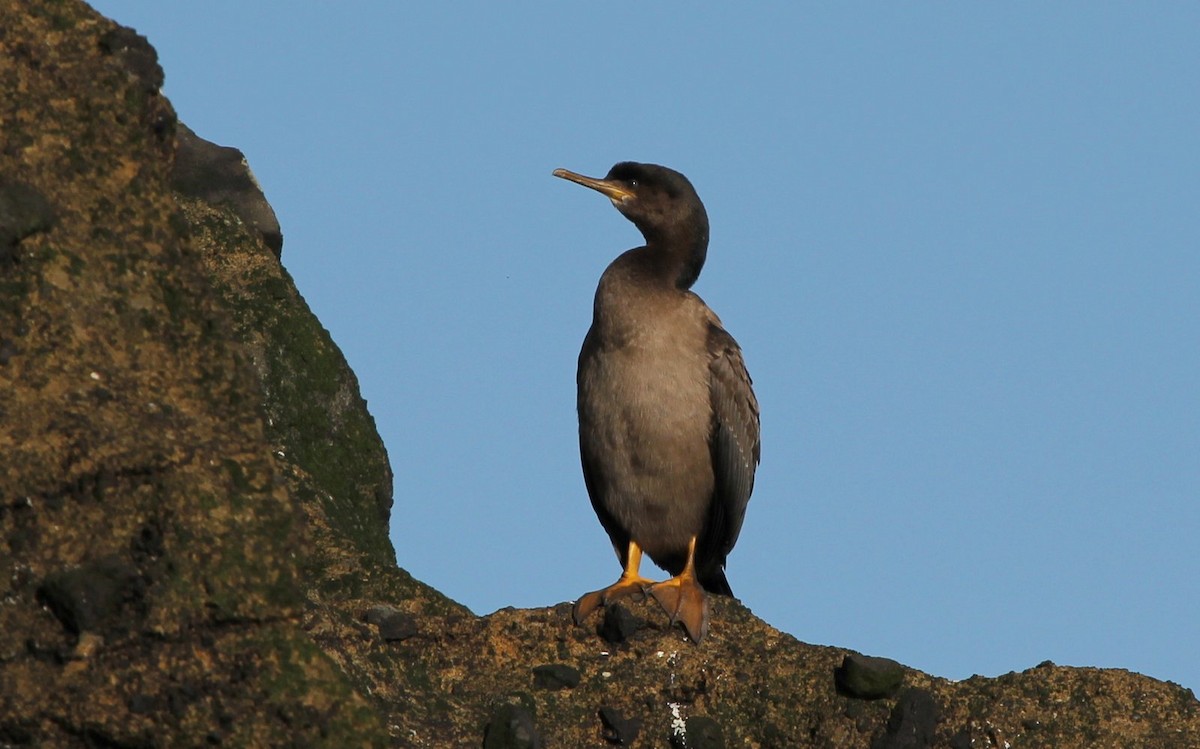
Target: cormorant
{"type": "Point", "coordinates": [668, 422]}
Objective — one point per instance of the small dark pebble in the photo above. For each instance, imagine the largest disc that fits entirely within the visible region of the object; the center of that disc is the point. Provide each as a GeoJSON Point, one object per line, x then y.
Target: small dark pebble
{"type": "Point", "coordinates": [911, 724]}
{"type": "Point", "coordinates": [962, 740]}
{"type": "Point", "coordinates": [8, 350]}
{"type": "Point", "coordinates": [617, 728]}
{"type": "Point", "coordinates": [700, 732]}
{"type": "Point", "coordinates": [394, 625]}
{"type": "Point", "coordinates": [555, 676]}
{"type": "Point", "coordinates": [398, 627]}
{"type": "Point", "coordinates": [89, 597]}
{"type": "Point", "coordinates": [178, 701]}
{"type": "Point", "coordinates": [16, 733]}
{"type": "Point", "coordinates": [867, 677]}
{"type": "Point", "coordinates": [618, 625]}
{"type": "Point", "coordinates": [376, 614]}
{"type": "Point", "coordinates": [511, 727]}
{"type": "Point", "coordinates": [24, 211]}
{"type": "Point", "coordinates": [141, 704]}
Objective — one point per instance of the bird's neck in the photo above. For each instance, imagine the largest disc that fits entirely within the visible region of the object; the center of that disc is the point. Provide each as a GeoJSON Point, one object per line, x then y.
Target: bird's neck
{"type": "Point", "coordinates": [678, 255]}
{"type": "Point", "coordinates": [634, 298]}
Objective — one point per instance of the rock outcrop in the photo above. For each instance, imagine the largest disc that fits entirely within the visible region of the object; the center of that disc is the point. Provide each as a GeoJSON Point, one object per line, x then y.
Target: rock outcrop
{"type": "Point", "coordinates": [194, 501]}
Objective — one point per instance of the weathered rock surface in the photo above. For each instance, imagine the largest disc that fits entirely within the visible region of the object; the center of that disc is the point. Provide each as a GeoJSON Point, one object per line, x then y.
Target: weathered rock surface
{"type": "Point", "coordinates": [194, 502]}
{"type": "Point", "coordinates": [149, 595]}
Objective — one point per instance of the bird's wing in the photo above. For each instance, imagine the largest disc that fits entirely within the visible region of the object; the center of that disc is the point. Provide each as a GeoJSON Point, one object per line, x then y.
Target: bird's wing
{"type": "Point", "coordinates": [735, 441]}
{"type": "Point", "coordinates": [593, 476]}
{"type": "Point", "coordinates": [593, 480]}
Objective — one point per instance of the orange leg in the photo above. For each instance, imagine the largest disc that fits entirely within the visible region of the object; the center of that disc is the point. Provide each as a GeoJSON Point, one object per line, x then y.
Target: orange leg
{"type": "Point", "coordinates": [684, 599]}
{"type": "Point", "coordinates": [630, 583]}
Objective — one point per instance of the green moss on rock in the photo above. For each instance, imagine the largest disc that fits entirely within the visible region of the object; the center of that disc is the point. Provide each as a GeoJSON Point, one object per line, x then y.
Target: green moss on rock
{"type": "Point", "coordinates": [315, 414]}
{"type": "Point", "coordinates": [147, 543]}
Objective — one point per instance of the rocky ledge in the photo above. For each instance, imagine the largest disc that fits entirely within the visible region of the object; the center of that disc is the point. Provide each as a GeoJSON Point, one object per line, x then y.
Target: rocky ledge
{"type": "Point", "coordinates": [194, 501]}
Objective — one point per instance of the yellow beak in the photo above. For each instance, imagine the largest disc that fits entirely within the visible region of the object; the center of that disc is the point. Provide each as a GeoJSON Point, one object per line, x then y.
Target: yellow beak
{"type": "Point", "coordinates": [615, 191]}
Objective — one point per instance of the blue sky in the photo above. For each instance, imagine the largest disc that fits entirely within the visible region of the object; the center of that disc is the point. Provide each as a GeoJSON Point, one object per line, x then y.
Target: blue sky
{"type": "Point", "coordinates": [957, 242]}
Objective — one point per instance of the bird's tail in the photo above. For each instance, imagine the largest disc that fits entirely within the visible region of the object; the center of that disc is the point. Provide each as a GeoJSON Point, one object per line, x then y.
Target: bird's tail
{"type": "Point", "coordinates": [713, 580]}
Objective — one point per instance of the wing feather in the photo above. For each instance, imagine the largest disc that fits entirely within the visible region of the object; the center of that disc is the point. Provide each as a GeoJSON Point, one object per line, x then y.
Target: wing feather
{"type": "Point", "coordinates": [735, 447]}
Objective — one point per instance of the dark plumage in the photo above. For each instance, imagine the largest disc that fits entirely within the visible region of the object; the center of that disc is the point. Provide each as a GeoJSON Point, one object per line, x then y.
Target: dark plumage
{"type": "Point", "coordinates": [668, 422]}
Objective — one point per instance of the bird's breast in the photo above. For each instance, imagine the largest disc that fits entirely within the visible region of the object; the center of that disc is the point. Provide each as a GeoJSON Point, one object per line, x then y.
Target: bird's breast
{"type": "Point", "coordinates": [645, 420]}
{"type": "Point", "coordinates": [648, 365]}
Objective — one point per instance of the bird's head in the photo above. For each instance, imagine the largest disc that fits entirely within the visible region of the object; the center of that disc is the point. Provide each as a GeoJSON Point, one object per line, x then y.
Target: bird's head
{"type": "Point", "coordinates": [661, 202]}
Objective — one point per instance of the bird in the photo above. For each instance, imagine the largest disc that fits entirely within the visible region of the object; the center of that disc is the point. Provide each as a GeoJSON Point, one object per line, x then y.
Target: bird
{"type": "Point", "coordinates": [668, 420]}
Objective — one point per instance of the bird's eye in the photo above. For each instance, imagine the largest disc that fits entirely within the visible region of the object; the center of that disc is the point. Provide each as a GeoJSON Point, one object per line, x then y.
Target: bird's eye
{"type": "Point", "coordinates": [632, 183]}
